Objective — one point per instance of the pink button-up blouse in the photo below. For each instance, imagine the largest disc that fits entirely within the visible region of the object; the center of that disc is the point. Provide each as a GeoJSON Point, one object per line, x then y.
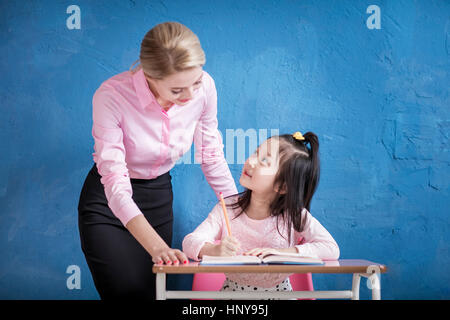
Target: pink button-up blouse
{"type": "Point", "coordinates": [136, 138]}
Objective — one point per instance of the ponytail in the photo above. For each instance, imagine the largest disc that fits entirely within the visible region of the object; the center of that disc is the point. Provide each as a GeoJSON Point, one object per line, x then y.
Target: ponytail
{"type": "Point", "coordinates": [314, 168]}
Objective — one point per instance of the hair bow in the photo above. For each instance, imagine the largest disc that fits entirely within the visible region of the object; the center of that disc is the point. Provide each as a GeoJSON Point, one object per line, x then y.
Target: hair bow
{"type": "Point", "coordinates": [298, 136]}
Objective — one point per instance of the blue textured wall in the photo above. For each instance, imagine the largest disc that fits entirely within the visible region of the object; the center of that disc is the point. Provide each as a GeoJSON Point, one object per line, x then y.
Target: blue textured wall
{"type": "Point", "coordinates": [378, 99]}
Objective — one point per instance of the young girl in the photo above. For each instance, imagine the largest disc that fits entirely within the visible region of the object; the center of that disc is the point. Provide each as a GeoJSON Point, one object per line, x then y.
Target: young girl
{"type": "Point", "coordinates": [272, 214]}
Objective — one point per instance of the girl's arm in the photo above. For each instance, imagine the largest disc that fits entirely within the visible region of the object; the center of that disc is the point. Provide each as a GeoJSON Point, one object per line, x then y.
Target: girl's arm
{"type": "Point", "coordinates": [289, 250]}
{"type": "Point", "coordinates": [228, 246]}
{"type": "Point", "coordinates": [317, 241]}
{"type": "Point", "coordinates": [204, 235]}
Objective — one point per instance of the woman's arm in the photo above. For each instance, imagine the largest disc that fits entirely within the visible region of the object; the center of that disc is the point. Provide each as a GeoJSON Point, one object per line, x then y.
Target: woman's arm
{"type": "Point", "coordinates": [153, 243]}
{"type": "Point", "coordinates": [209, 145]}
{"type": "Point", "coordinates": [109, 157]}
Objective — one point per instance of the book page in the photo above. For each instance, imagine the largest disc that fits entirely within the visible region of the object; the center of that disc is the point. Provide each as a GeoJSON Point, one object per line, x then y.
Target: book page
{"type": "Point", "coordinates": [287, 254]}
{"type": "Point", "coordinates": [291, 259]}
{"type": "Point", "coordinates": [240, 259]}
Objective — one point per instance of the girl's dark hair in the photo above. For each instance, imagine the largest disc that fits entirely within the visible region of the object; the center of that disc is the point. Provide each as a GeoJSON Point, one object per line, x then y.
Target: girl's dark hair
{"type": "Point", "coordinates": [298, 176]}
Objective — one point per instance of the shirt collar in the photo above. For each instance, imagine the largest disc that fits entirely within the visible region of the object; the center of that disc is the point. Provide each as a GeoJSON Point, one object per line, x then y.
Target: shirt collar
{"type": "Point", "coordinates": [143, 92]}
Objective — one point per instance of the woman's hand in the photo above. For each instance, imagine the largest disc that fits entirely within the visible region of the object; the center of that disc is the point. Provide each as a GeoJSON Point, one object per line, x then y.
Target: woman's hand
{"type": "Point", "coordinates": [261, 252]}
{"type": "Point", "coordinates": [161, 253]}
{"type": "Point", "coordinates": [169, 256]}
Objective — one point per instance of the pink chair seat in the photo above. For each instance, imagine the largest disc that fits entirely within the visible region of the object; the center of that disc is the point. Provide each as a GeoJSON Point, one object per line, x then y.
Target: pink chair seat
{"type": "Point", "coordinates": [214, 282]}
{"type": "Point", "coordinates": [208, 281]}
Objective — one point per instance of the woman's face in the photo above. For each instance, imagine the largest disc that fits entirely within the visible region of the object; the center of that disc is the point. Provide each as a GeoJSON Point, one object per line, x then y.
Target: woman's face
{"type": "Point", "coordinates": [260, 169]}
{"type": "Point", "coordinates": [178, 88]}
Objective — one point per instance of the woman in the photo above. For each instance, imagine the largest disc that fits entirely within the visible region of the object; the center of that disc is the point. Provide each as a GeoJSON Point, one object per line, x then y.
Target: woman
{"type": "Point", "coordinates": [144, 120]}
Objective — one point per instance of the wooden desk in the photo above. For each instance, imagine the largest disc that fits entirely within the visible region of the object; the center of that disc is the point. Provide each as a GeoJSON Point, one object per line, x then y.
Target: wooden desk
{"type": "Point", "coordinates": [359, 268]}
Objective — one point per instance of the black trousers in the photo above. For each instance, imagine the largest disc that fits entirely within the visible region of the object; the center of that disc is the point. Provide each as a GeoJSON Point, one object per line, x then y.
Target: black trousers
{"type": "Point", "coordinates": [121, 268]}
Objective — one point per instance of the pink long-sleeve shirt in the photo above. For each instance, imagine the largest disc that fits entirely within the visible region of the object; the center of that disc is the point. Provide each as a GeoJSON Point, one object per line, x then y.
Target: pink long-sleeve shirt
{"type": "Point", "coordinates": [314, 240]}
{"type": "Point", "coordinates": [136, 138]}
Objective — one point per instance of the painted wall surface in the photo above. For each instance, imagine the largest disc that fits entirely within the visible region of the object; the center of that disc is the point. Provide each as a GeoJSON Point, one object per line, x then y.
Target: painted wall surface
{"type": "Point", "coordinates": [377, 98]}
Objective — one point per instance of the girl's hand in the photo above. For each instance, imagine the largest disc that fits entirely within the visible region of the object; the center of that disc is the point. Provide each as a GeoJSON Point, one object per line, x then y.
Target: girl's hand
{"type": "Point", "coordinates": [229, 246]}
{"type": "Point", "coordinates": [169, 256]}
{"type": "Point", "coordinates": [261, 252]}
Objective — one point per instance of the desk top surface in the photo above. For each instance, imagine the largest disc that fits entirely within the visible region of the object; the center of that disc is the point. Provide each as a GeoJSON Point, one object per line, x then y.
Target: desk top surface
{"type": "Point", "coordinates": [329, 266]}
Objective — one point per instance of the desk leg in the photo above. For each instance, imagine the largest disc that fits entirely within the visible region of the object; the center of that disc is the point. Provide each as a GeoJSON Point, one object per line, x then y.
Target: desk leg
{"type": "Point", "coordinates": [373, 283]}
{"type": "Point", "coordinates": [355, 286]}
{"type": "Point", "coordinates": [160, 286]}
{"type": "Point", "coordinates": [376, 289]}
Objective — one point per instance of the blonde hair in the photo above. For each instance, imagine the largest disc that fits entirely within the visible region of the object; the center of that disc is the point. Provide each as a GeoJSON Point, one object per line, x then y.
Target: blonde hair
{"type": "Point", "coordinates": [168, 48]}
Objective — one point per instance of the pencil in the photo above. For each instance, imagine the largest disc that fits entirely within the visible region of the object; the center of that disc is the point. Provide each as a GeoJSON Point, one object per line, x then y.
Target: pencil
{"type": "Point", "coordinates": [225, 213]}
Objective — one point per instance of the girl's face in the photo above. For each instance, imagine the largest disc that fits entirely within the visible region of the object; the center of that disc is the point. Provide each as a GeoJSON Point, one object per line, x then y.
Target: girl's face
{"type": "Point", "coordinates": [178, 88]}
{"type": "Point", "coordinates": [260, 169]}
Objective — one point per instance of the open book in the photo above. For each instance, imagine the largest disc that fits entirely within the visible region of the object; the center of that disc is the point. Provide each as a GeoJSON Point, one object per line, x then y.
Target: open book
{"type": "Point", "coordinates": [279, 258]}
